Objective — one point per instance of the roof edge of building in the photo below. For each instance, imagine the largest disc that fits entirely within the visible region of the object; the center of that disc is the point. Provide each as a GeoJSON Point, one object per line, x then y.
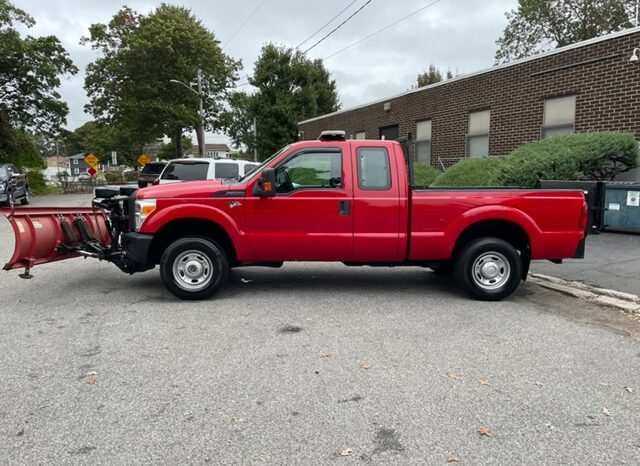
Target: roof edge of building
{"type": "Point", "coordinates": [462, 77]}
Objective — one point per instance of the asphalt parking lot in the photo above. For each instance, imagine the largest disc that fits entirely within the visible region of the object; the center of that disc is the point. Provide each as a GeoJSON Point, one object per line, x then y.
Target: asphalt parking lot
{"type": "Point", "coordinates": [308, 364]}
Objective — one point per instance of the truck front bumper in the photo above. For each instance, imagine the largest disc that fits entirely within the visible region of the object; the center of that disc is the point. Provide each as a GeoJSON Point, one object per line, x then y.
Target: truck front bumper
{"type": "Point", "coordinates": [137, 246]}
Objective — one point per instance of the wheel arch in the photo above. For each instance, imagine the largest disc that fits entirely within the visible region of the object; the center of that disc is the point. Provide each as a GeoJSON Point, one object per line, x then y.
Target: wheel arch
{"type": "Point", "coordinates": [507, 230]}
{"type": "Point", "coordinates": [184, 227]}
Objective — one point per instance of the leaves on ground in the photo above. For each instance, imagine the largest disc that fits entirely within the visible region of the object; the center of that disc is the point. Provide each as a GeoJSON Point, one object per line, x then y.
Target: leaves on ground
{"type": "Point", "coordinates": [325, 354]}
{"type": "Point", "coordinates": [629, 389]}
{"type": "Point", "coordinates": [484, 431]}
{"type": "Point", "coordinates": [548, 425]}
{"type": "Point", "coordinates": [606, 411]}
{"type": "Point", "coordinates": [346, 452]}
{"type": "Point", "coordinates": [237, 419]}
{"type": "Point", "coordinates": [451, 458]}
{"type": "Point", "coordinates": [535, 382]}
{"type": "Point", "coordinates": [483, 382]}
{"type": "Point", "coordinates": [91, 377]}
{"type": "Point", "coordinates": [453, 376]}
{"type": "Point", "coordinates": [364, 365]}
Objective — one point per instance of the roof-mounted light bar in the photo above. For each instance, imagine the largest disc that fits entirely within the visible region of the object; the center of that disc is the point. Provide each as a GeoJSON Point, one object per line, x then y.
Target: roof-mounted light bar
{"type": "Point", "coordinates": [333, 135]}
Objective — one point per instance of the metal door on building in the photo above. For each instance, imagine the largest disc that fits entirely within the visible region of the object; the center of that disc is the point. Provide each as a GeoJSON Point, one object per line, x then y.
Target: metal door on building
{"type": "Point", "coordinates": [390, 133]}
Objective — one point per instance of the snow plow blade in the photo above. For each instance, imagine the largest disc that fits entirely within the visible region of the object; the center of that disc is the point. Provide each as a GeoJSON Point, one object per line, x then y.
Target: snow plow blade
{"type": "Point", "coordinates": [51, 234]}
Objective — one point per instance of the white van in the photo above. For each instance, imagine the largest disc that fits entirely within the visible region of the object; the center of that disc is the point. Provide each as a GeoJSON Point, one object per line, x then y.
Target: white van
{"type": "Point", "coordinates": [204, 169]}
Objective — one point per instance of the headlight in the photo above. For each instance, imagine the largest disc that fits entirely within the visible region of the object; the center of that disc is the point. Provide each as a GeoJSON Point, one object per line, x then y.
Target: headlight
{"type": "Point", "coordinates": [144, 207]}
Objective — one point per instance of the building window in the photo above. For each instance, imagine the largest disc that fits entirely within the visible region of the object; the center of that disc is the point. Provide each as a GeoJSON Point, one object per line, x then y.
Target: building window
{"type": "Point", "coordinates": [423, 141]}
{"type": "Point", "coordinates": [559, 116]}
{"type": "Point", "coordinates": [76, 171]}
{"type": "Point", "coordinates": [360, 135]}
{"type": "Point", "coordinates": [478, 137]}
{"type": "Point", "coordinates": [75, 161]}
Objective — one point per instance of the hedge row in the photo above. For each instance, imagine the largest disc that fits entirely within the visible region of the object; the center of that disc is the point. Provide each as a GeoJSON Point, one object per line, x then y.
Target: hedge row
{"type": "Point", "coordinates": [579, 156]}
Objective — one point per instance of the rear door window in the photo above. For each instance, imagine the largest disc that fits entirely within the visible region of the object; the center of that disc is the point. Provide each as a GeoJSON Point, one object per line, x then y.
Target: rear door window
{"type": "Point", "coordinates": [373, 168]}
{"type": "Point", "coordinates": [152, 169]}
{"type": "Point", "coordinates": [226, 170]}
{"type": "Point", "coordinates": [186, 171]}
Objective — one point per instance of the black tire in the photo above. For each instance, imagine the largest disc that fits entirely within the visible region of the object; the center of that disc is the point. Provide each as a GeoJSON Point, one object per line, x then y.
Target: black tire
{"type": "Point", "coordinates": [194, 268]}
{"type": "Point", "coordinates": [25, 198]}
{"type": "Point", "coordinates": [489, 269]}
{"type": "Point", "coordinates": [443, 269]}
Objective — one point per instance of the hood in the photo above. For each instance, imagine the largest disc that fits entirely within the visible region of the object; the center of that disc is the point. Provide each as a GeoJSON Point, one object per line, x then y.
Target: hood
{"type": "Point", "coordinates": [186, 189]}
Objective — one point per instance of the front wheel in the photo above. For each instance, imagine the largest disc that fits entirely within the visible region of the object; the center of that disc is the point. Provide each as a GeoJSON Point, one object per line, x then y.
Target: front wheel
{"type": "Point", "coordinates": [194, 268]}
{"type": "Point", "coordinates": [489, 269]}
{"type": "Point", "coordinates": [25, 198]}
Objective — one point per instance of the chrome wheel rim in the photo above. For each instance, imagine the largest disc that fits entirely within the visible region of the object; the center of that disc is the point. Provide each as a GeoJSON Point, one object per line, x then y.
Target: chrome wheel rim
{"type": "Point", "coordinates": [192, 270]}
{"type": "Point", "coordinates": [491, 270]}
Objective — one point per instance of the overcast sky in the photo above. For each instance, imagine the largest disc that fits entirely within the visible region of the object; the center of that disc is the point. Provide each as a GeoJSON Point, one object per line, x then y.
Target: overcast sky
{"type": "Point", "coordinates": [456, 34]}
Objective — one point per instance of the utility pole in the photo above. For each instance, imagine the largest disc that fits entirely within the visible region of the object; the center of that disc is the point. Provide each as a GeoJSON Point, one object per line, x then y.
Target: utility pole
{"type": "Point", "coordinates": [201, 115]}
{"type": "Point", "coordinates": [255, 139]}
{"type": "Point", "coordinates": [637, 5]}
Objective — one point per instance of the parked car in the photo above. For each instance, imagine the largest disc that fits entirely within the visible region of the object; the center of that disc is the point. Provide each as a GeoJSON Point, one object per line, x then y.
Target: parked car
{"type": "Point", "coordinates": [14, 186]}
{"type": "Point", "coordinates": [204, 169]}
{"type": "Point", "coordinates": [84, 177]}
{"type": "Point", "coordinates": [149, 173]}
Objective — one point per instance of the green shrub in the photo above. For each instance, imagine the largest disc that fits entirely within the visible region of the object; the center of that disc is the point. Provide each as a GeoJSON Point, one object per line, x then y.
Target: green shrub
{"type": "Point", "coordinates": [113, 177]}
{"type": "Point", "coordinates": [581, 156]}
{"type": "Point", "coordinates": [424, 174]}
{"type": "Point", "coordinates": [37, 183]}
{"type": "Point", "coordinates": [131, 176]}
{"type": "Point", "coordinates": [471, 172]}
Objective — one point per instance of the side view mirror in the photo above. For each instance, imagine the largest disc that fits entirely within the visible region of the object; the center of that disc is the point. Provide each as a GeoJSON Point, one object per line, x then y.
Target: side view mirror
{"type": "Point", "coordinates": [266, 185]}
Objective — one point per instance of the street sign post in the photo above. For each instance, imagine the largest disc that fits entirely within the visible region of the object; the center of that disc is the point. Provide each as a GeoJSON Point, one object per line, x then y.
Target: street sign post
{"type": "Point", "coordinates": [114, 158]}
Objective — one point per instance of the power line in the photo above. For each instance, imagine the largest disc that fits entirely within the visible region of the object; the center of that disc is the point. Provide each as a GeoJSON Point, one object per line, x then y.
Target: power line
{"type": "Point", "coordinates": [383, 29]}
{"type": "Point", "coordinates": [325, 24]}
{"type": "Point", "coordinates": [243, 24]}
{"type": "Point", "coordinates": [339, 25]}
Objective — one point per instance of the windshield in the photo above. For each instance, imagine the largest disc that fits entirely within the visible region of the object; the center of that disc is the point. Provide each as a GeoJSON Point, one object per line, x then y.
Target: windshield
{"type": "Point", "coordinates": [3, 173]}
{"type": "Point", "coordinates": [259, 167]}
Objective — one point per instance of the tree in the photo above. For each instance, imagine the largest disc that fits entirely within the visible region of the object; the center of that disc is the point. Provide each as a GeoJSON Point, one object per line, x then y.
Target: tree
{"type": "Point", "coordinates": [30, 70]}
{"type": "Point", "coordinates": [129, 85]}
{"type": "Point", "coordinates": [238, 121]}
{"type": "Point", "coordinates": [289, 88]}
{"type": "Point", "coordinates": [101, 140]}
{"type": "Point", "coordinates": [431, 75]}
{"type": "Point", "coordinates": [167, 151]}
{"type": "Point", "coordinates": [540, 25]}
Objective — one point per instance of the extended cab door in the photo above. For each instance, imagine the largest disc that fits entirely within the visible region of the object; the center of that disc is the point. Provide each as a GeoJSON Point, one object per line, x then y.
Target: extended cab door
{"type": "Point", "coordinates": [310, 218]}
{"type": "Point", "coordinates": [380, 207]}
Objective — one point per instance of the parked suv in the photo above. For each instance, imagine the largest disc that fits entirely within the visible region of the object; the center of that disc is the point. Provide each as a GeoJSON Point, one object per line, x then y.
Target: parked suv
{"type": "Point", "coordinates": [149, 173]}
{"type": "Point", "coordinates": [204, 169]}
{"type": "Point", "coordinates": [14, 185]}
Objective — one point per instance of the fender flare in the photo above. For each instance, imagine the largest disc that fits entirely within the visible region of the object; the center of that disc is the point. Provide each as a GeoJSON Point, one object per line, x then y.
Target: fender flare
{"type": "Point", "coordinates": [187, 211]}
{"type": "Point", "coordinates": [494, 212]}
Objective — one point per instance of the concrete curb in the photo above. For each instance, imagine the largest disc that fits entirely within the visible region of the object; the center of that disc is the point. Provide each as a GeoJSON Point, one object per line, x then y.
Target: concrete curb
{"type": "Point", "coordinates": [611, 298]}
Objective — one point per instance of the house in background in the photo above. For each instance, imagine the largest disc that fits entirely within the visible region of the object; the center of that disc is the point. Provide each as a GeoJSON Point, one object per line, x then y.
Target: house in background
{"type": "Point", "coordinates": [215, 151]}
{"type": "Point", "coordinates": [55, 165]}
{"type": "Point", "coordinates": [77, 165]}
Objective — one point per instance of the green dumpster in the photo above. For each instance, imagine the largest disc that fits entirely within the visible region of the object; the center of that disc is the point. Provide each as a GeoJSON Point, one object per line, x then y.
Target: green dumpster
{"type": "Point", "coordinates": [622, 206]}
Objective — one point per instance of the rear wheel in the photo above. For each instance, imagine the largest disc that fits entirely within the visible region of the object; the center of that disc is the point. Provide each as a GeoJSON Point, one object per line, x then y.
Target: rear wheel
{"type": "Point", "coordinates": [194, 268]}
{"type": "Point", "coordinates": [489, 269]}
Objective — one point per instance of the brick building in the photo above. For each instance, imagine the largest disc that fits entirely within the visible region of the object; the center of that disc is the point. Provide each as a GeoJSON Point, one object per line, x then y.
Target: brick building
{"type": "Point", "coordinates": [592, 85]}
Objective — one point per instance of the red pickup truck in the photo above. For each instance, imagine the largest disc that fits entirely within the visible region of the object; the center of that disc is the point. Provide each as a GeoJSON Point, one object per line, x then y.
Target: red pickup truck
{"type": "Point", "coordinates": [324, 200]}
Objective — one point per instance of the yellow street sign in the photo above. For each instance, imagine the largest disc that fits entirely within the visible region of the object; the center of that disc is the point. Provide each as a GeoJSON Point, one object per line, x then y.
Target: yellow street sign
{"type": "Point", "coordinates": [91, 160]}
{"type": "Point", "coordinates": [143, 160]}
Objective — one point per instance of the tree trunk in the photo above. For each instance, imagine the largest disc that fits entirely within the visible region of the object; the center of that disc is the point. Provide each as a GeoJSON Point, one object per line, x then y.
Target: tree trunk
{"type": "Point", "coordinates": [178, 143]}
